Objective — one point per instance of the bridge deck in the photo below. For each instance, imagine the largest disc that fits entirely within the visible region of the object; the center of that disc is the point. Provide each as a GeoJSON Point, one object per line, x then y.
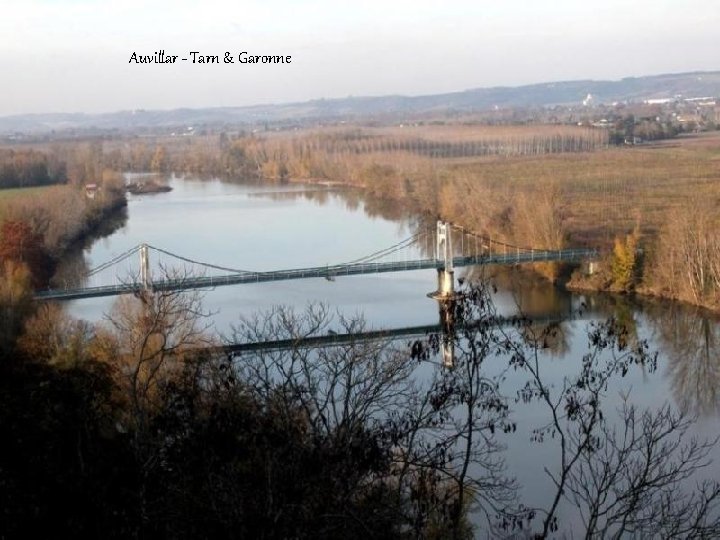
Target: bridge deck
{"type": "Point", "coordinates": [208, 282]}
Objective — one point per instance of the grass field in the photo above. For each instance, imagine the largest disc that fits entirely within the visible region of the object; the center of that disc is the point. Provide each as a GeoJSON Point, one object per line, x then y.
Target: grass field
{"type": "Point", "coordinates": [608, 191]}
{"type": "Point", "coordinates": [7, 194]}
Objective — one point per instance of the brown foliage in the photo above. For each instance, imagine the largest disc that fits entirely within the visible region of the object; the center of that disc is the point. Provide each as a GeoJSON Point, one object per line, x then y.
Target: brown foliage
{"type": "Point", "coordinates": [53, 337]}
{"type": "Point", "coordinates": [62, 214]}
{"type": "Point", "coordinates": [686, 262]}
{"type": "Point", "coordinates": [23, 168]}
{"type": "Point", "coordinates": [20, 245]}
{"type": "Point", "coordinates": [15, 301]}
{"type": "Point", "coordinates": [149, 335]}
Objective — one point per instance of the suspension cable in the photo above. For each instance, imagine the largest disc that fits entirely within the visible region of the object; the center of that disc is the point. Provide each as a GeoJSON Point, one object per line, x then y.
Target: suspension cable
{"type": "Point", "coordinates": [492, 240]}
{"type": "Point", "coordinates": [367, 258]}
{"type": "Point", "coordinates": [208, 265]}
{"type": "Point", "coordinates": [113, 261]}
{"type": "Point", "coordinates": [387, 251]}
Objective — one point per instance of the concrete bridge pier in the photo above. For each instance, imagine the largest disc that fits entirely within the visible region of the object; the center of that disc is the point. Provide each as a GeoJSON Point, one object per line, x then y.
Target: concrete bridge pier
{"type": "Point", "coordinates": [446, 284]}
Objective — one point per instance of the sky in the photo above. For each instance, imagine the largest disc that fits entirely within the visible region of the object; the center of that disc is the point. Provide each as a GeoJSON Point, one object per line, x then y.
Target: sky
{"type": "Point", "coordinates": [73, 55]}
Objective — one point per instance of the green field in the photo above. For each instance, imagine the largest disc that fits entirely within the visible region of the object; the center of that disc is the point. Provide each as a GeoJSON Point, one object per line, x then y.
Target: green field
{"type": "Point", "coordinates": [7, 194]}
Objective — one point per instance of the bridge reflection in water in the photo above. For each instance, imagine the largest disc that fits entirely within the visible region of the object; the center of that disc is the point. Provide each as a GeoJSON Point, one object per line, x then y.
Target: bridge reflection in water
{"type": "Point", "coordinates": [446, 330]}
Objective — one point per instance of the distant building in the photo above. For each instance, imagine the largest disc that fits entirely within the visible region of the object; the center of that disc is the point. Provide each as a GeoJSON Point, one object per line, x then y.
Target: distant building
{"type": "Point", "coordinates": [687, 118]}
{"type": "Point", "coordinates": [700, 99]}
{"type": "Point", "coordinates": [91, 190]}
{"type": "Point", "coordinates": [633, 140]}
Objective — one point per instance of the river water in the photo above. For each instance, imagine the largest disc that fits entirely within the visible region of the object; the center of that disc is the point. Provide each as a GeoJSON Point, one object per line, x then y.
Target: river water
{"type": "Point", "coordinates": [268, 227]}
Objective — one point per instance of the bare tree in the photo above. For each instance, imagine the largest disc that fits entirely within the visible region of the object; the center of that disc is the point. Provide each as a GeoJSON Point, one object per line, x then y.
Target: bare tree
{"type": "Point", "coordinates": [349, 393]}
{"type": "Point", "coordinates": [633, 480]}
{"type": "Point", "coordinates": [441, 425]}
{"type": "Point", "coordinates": [686, 263]}
{"type": "Point", "coordinates": [437, 430]}
{"type": "Point", "coordinates": [457, 420]}
{"type": "Point", "coordinates": [152, 331]}
{"type": "Point", "coordinates": [153, 334]}
{"type": "Point", "coordinates": [626, 474]}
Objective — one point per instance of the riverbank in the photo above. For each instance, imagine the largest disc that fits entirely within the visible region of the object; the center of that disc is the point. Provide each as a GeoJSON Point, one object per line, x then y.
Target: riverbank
{"type": "Point", "coordinates": [48, 223]}
{"type": "Point", "coordinates": [144, 188]}
{"type": "Point", "coordinates": [601, 281]}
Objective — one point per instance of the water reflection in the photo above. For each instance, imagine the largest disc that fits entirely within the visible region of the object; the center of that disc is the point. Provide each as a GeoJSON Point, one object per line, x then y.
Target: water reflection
{"type": "Point", "coordinates": [317, 195]}
{"type": "Point", "coordinates": [351, 198]}
{"type": "Point", "coordinates": [690, 339]}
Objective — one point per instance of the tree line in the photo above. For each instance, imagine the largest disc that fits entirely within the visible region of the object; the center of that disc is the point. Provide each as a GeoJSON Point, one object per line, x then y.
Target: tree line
{"type": "Point", "coordinates": [305, 154]}
{"type": "Point", "coordinates": [540, 186]}
{"type": "Point", "coordinates": [26, 168]}
{"type": "Point", "coordinates": [628, 129]}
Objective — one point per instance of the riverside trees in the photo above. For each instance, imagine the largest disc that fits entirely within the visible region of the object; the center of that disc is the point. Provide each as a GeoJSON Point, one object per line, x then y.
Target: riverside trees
{"type": "Point", "coordinates": [25, 168]}
{"type": "Point", "coordinates": [686, 262]}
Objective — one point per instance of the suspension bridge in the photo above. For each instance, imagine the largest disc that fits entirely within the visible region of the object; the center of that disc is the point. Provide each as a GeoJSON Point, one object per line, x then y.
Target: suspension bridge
{"type": "Point", "coordinates": [442, 248]}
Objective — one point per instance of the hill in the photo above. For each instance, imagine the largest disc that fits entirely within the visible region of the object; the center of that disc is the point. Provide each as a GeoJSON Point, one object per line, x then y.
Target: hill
{"type": "Point", "coordinates": [631, 89]}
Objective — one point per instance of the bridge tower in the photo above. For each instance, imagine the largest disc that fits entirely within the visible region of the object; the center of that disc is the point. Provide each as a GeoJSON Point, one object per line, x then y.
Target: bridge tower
{"type": "Point", "coordinates": [443, 251]}
{"type": "Point", "coordinates": [145, 279]}
{"type": "Point", "coordinates": [445, 294]}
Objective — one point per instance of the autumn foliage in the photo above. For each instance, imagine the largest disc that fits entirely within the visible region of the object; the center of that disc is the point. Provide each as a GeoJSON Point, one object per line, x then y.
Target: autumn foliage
{"type": "Point", "coordinates": [19, 244]}
{"type": "Point", "coordinates": [24, 168]}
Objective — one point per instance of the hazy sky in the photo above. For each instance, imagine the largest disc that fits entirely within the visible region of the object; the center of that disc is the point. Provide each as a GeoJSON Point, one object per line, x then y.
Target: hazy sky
{"type": "Point", "coordinates": [72, 55]}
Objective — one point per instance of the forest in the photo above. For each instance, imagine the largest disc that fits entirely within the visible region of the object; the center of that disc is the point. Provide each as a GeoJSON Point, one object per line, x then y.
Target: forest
{"type": "Point", "coordinates": [38, 225]}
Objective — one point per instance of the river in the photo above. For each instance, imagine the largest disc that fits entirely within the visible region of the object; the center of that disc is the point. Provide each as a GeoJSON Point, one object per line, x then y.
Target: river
{"type": "Point", "coordinates": [268, 227]}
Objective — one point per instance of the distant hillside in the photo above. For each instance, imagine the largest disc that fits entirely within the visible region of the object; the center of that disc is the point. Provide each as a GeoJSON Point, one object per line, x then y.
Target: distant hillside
{"type": "Point", "coordinates": [698, 84]}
